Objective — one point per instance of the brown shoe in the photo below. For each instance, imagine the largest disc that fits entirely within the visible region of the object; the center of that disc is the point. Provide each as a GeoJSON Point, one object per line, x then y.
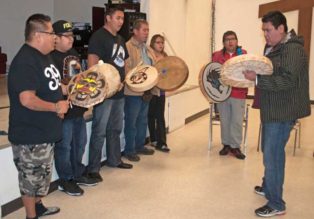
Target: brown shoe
{"type": "Point", "coordinates": [237, 153]}
{"type": "Point", "coordinates": [225, 150]}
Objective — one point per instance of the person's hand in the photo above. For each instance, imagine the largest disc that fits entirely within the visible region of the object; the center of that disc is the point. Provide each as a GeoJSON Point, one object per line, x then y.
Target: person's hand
{"type": "Point", "coordinates": [62, 106]}
{"type": "Point", "coordinates": [60, 115]}
{"type": "Point", "coordinates": [250, 75]}
{"type": "Point", "coordinates": [65, 81]}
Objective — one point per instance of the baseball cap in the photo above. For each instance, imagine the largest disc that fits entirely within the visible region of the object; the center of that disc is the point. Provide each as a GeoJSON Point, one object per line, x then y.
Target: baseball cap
{"type": "Point", "coordinates": [62, 26]}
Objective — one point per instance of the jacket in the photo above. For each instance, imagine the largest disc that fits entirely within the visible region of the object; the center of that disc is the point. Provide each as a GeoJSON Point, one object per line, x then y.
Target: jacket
{"type": "Point", "coordinates": [285, 93]}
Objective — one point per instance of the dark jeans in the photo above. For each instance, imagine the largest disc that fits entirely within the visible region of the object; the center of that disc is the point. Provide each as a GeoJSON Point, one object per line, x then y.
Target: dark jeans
{"type": "Point", "coordinates": [274, 139]}
{"type": "Point", "coordinates": [69, 151]}
{"type": "Point", "coordinates": [156, 120]}
{"type": "Point", "coordinates": [107, 123]}
{"type": "Point", "coordinates": [135, 111]}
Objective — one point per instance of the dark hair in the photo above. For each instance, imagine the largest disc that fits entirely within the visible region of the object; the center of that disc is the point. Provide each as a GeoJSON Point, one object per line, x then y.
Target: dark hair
{"type": "Point", "coordinates": [229, 33]}
{"type": "Point", "coordinates": [226, 34]}
{"type": "Point", "coordinates": [276, 18]}
{"type": "Point", "coordinates": [110, 11]}
{"type": "Point", "coordinates": [138, 23]}
{"type": "Point", "coordinates": [35, 23]}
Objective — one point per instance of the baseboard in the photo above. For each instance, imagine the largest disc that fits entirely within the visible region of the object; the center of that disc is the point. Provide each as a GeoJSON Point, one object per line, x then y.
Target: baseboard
{"type": "Point", "coordinates": [195, 116]}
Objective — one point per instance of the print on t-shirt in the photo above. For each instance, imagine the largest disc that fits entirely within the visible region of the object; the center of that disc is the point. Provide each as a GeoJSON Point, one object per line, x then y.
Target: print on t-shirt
{"type": "Point", "coordinates": [53, 74]}
{"type": "Point", "coordinates": [119, 60]}
{"type": "Point", "coordinates": [71, 66]}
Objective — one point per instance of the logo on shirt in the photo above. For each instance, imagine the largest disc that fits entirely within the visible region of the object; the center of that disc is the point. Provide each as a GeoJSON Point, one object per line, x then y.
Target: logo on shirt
{"type": "Point", "coordinates": [119, 59]}
{"type": "Point", "coordinates": [53, 74]}
{"type": "Point", "coordinates": [71, 66]}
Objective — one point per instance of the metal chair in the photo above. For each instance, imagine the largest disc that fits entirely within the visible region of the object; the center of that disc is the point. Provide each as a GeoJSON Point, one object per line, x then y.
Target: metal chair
{"type": "Point", "coordinates": [214, 121]}
{"type": "Point", "coordinates": [297, 136]}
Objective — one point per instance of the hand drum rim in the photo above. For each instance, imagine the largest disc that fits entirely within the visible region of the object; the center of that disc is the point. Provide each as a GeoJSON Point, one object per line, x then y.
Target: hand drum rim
{"type": "Point", "coordinates": [163, 66]}
{"type": "Point", "coordinates": [208, 90]}
{"type": "Point", "coordinates": [100, 72]}
{"type": "Point", "coordinates": [231, 71]}
{"type": "Point", "coordinates": [148, 83]}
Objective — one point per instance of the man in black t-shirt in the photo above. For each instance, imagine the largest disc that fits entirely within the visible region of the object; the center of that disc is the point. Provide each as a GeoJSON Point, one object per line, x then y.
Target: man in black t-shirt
{"type": "Point", "coordinates": [36, 109]}
{"type": "Point", "coordinates": [69, 151]}
{"type": "Point", "coordinates": [105, 44]}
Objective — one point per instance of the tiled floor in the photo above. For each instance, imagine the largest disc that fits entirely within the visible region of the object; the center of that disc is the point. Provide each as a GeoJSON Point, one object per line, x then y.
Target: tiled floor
{"type": "Point", "coordinates": [192, 182]}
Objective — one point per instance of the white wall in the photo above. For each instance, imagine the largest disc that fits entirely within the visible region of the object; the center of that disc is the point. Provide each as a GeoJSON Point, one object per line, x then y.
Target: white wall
{"type": "Point", "coordinates": [13, 14]}
{"type": "Point", "coordinates": [187, 27]}
{"type": "Point", "coordinates": [241, 16]}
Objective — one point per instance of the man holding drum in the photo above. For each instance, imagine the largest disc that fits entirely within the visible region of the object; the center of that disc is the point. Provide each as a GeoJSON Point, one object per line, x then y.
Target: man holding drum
{"type": "Point", "coordinates": [231, 110]}
{"type": "Point", "coordinates": [36, 109]}
{"type": "Point", "coordinates": [105, 44]}
{"type": "Point", "coordinates": [284, 98]}
{"type": "Point", "coordinates": [136, 107]}
{"type": "Point", "coordinates": [69, 151]}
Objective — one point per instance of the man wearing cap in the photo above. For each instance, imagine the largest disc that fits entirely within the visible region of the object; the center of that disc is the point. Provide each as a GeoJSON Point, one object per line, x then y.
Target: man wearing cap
{"type": "Point", "coordinates": [36, 106]}
{"type": "Point", "coordinates": [69, 151]}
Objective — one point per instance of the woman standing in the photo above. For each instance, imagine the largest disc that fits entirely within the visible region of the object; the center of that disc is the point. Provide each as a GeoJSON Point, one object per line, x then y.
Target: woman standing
{"type": "Point", "coordinates": [156, 119]}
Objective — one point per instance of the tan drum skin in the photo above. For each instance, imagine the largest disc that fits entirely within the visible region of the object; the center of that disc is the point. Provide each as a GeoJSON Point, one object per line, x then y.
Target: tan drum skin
{"type": "Point", "coordinates": [92, 86]}
{"type": "Point", "coordinates": [142, 78]}
{"type": "Point", "coordinates": [173, 73]}
{"type": "Point", "coordinates": [210, 85]}
{"type": "Point", "coordinates": [232, 69]}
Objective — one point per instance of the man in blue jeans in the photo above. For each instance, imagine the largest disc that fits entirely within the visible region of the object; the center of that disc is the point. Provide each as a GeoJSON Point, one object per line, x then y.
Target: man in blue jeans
{"type": "Point", "coordinates": [107, 45]}
{"type": "Point", "coordinates": [69, 151]}
{"type": "Point", "coordinates": [284, 98]}
{"type": "Point", "coordinates": [136, 103]}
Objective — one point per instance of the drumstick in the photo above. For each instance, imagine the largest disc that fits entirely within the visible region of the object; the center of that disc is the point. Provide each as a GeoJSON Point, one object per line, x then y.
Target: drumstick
{"type": "Point", "coordinates": [172, 49]}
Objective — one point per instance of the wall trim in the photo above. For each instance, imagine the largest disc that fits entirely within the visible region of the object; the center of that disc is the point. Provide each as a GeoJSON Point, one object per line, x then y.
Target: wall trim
{"type": "Point", "coordinates": [196, 116]}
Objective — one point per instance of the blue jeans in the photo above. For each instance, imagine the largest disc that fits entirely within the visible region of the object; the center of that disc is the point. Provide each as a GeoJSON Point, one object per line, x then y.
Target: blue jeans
{"type": "Point", "coordinates": [135, 111]}
{"type": "Point", "coordinates": [107, 123]}
{"type": "Point", "coordinates": [69, 151]}
{"type": "Point", "coordinates": [274, 139]}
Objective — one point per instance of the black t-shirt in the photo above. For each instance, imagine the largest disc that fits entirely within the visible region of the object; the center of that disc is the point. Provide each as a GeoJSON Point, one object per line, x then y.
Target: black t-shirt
{"type": "Point", "coordinates": [64, 63]}
{"type": "Point", "coordinates": [31, 70]}
{"type": "Point", "coordinates": [103, 44]}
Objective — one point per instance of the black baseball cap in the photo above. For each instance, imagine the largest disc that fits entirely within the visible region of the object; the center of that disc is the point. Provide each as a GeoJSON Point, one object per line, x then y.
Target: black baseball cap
{"type": "Point", "coordinates": [62, 26]}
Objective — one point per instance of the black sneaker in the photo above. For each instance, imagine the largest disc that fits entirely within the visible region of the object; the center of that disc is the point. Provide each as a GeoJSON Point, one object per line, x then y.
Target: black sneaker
{"type": "Point", "coordinates": [41, 210]}
{"type": "Point", "coordinates": [259, 190]}
{"type": "Point", "coordinates": [225, 150]}
{"type": "Point", "coordinates": [163, 148]}
{"type": "Point", "coordinates": [132, 157]}
{"type": "Point", "coordinates": [237, 153]}
{"type": "Point", "coordinates": [145, 151]}
{"type": "Point", "coordinates": [95, 176]}
{"type": "Point", "coordinates": [267, 211]}
{"type": "Point", "coordinates": [70, 187]}
{"type": "Point", "coordinates": [86, 181]}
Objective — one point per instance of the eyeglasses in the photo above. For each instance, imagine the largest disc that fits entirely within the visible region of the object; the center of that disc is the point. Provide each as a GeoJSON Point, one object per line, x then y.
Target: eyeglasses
{"type": "Point", "coordinates": [230, 39]}
{"type": "Point", "coordinates": [67, 36]}
{"type": "Point", "coordinates": [50, 33]}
